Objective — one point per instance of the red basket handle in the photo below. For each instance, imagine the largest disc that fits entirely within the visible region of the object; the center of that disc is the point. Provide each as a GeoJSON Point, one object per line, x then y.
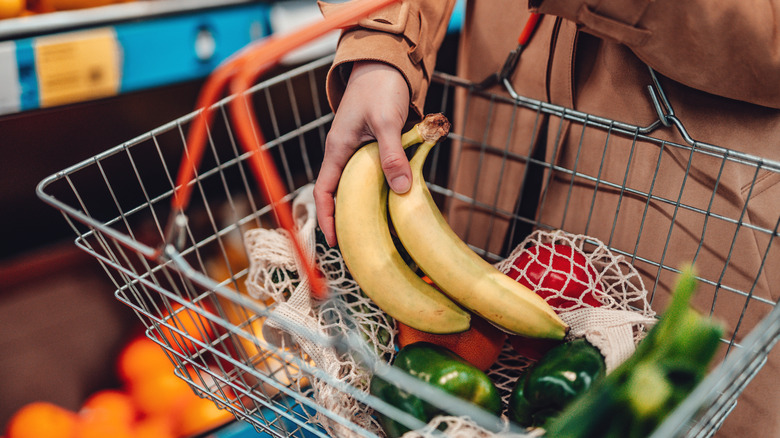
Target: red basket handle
{"type": "Point", "coordinates": [528, 29]}
{"type": "Point", "coordinates": [240, 72]}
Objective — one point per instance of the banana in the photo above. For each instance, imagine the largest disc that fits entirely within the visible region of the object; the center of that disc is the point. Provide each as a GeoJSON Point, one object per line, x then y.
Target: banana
{"type": "Point", "coordinates": [371, 256]}
{"type": "Point", "coordinates": [457, 270]}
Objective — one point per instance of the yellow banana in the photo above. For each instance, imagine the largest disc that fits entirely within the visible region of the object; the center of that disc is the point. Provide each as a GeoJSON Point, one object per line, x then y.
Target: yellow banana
{"type": "Point", "coordinates": [371, 256]}
{"type": "Point", "coordinates": [460, 272]}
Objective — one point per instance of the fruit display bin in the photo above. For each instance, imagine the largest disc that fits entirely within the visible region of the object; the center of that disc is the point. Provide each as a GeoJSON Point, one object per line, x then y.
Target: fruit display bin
{"type": "Point", "coordinates": [187, 281]}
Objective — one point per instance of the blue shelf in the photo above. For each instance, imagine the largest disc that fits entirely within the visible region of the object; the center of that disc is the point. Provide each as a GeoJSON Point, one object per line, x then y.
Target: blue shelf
{"type": "Point", "coordinates": [165, 51]}
{"type": "Point", "coordinates": [151, 51]}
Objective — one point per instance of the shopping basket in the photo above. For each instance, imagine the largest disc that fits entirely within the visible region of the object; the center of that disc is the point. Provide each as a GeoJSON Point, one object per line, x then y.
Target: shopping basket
{"type": "Point", "coordinates": [191, 294]}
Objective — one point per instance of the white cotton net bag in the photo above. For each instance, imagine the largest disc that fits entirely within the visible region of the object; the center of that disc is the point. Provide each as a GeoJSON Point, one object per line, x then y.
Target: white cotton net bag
{"type": "Point", "coordinates": [598, 293]}
{"type": "Point", "coordinates": [274, 274]}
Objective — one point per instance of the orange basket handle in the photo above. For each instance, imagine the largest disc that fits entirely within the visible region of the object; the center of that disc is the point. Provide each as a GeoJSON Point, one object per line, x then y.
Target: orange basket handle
{"type": "Point", "coordinates": [240, 72]}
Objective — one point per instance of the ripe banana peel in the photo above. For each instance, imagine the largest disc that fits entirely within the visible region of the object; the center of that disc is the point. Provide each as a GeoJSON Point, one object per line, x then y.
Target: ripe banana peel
{"type": "Point", "coordinates": [369, 251]}
{"type": "Point", "coordinates": [458, 271]}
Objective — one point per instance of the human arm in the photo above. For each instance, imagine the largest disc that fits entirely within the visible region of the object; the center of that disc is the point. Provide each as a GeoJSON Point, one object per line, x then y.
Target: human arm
{"type": "Point", "coordinates": [381, 71]}
{"type": "Point", "coordinates": [729, 48]}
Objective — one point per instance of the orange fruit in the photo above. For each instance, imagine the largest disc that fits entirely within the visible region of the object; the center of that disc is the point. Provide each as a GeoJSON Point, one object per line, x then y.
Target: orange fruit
{"type": "Point", "coordinates": [99, 426]}
{"type": "Point", "coordinates": [142, 358]}
{"type": "Point", "coordinates": [480, 345]}
{"type": "Point", "coordinates": [190, 322]}
{"type": "Point", "coordinates": [200, 415]}
{"type": "Point", "coordinates": [161, 394]}
{"type": "Point", "coordinates": [154, 427]}
{"type": "Point", "coordinates": [106, 413]}
{"type": "Point", "coordinates": [11, 8]}
{"type": "Point", "coordinates": [112, 404]}
{"type": "Point", "coordinates": [41, 420]}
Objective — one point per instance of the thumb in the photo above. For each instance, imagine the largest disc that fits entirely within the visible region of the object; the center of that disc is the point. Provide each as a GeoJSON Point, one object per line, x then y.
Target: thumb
{"type": "Point", "coordinates": [394, 162]}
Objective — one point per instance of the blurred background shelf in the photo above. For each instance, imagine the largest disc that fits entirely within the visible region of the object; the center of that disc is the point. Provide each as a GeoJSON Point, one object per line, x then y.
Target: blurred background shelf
{"type": "Point", "coordinates": [65, 57]}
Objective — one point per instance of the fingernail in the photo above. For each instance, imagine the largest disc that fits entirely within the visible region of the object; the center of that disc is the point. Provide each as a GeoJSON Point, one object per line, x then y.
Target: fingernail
{"type": "Point", "coordinates": [400, 184]}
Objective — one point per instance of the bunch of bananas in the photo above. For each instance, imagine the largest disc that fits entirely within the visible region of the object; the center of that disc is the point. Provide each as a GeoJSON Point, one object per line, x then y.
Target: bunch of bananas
{"type": "Point", "coordinates": [464, 281]}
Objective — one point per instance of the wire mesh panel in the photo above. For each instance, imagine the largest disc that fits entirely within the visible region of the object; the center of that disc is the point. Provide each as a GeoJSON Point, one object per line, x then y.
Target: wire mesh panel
{"type": "Point", "coordinates": [189, 288]}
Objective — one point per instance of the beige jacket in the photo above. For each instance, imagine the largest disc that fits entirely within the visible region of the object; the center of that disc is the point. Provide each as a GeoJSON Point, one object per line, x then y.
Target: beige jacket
{"type": "Point", "coordinates": [719, 63]}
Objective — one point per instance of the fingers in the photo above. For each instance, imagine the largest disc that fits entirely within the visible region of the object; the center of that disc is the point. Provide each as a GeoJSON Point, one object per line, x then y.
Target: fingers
{"type": "Point", "coordinates": [385, 119]}
{"type": "Point", "coordinates": [325, 206]}
{"type": "Point", "coordinates": [394, 162]}
{"type": "Point", "coordinates": [339, 147]}
{"type": "Point", "coordinates": [337, 154]}
{"type": "Point", "coordinates": [324, 203]}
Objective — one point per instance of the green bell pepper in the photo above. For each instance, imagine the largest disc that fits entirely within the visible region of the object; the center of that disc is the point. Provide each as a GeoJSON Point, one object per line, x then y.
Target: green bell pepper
{"type": "Point", "coordinates": [442, 368]}
{"type": "Point", "coordinates": [546, 388]}
{"type": "Point", "coordinates": [639, 394]}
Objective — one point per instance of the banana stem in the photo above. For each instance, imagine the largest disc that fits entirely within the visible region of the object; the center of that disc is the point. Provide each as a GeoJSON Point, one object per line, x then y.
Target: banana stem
{"type": "Point", "coordinates": [411, 138]}
{"type": "Point", "coordinates": [434, 127]}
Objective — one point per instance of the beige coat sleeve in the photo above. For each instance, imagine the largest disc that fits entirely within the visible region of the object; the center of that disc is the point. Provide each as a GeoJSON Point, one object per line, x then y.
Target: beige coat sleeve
{"type": "Point", "coordinates": [729, 48]}
{"type": "Point", "coordinates": [406, 35]}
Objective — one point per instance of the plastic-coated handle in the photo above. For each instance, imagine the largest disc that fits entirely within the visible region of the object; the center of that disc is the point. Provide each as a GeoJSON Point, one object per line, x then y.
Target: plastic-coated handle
{"type": "Point", "coordinates": [528, 29]}
{"type": "Point", "coordinates": [240, 72]}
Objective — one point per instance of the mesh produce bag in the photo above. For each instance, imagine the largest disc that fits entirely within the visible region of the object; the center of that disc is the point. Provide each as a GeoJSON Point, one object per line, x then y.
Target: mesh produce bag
{"type": "Point", "coordinates": [610, 309]}
{"type": "Point", "coordinates": [274, 273]}
{"type": "Point", "coordinates": [609, 305]}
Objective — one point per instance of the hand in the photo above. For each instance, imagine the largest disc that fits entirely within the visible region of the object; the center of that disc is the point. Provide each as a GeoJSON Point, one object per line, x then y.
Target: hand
{"type": "Point", "coordinates": [374, 107]}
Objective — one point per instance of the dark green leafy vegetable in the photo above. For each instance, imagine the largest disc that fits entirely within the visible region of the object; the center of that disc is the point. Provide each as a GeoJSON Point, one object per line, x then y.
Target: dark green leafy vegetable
{"type": "Point", "coordinates": [667, 365]}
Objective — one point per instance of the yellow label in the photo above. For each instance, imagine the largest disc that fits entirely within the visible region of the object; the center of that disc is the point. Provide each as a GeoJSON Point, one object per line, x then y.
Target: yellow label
{"type": "Point", "coordinates": [77, 66]}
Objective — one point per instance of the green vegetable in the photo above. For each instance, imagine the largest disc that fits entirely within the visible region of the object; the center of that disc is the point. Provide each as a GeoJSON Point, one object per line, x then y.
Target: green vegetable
{"type": "Point", "coordinates": [667, 365]}
{"type": "Point", "coordinates": [442, 368]}
{"type": "Point", "coordinates": [562, 374]}
{"type": "Point", "coordinates": [400, 399]}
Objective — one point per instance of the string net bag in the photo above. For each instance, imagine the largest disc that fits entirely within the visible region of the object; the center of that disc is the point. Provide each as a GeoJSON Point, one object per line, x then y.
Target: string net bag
{"type": "Point", "coordinates": [598, 293]}
{"type": "Point", "coordinates": [274, 274]}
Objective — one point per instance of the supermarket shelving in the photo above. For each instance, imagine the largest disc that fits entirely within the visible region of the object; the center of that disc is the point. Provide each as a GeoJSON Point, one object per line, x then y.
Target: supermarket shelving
{"type": "Point", "coordinates": [72, 56]}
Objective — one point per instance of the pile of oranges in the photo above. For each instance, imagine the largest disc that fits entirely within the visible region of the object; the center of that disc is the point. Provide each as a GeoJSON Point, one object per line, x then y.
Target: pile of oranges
{"type": "Point", "coordinates": [20, 8]}
{"type": "Point", "coordinates": [152, 402]}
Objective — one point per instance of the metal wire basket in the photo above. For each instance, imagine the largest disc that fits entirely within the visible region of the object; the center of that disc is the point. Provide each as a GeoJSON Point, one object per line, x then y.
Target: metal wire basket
{"type": "Point", "coordinates": [190, 293]}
